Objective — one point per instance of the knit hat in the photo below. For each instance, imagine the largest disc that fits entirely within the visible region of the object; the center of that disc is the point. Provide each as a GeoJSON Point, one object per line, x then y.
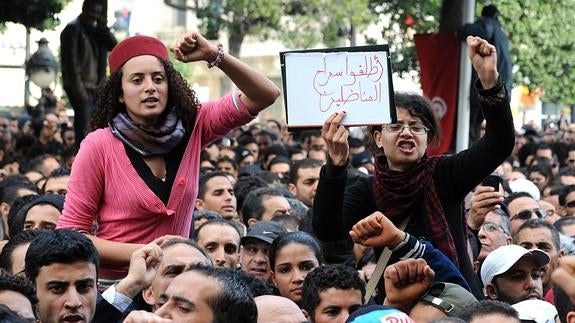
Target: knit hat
{"type": "Point", "coordinates": [377, 314]}
{"type": "Point", "coordinates": [136, 46]}
{"type": "Point", "coordinates": [449, 298]}
{"type": "Point", "coordinates": [503, 258]}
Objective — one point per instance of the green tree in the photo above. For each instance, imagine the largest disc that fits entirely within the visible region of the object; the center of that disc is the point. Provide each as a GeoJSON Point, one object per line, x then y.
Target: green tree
{"type": "Point", "coordinates": [37, 14]}
{"type": "Point", "coordinates": [330, 22]}
{"type": "Point", "coordinates": [298, 23]}
{"type": "Point", "coordinates": [540, 36]}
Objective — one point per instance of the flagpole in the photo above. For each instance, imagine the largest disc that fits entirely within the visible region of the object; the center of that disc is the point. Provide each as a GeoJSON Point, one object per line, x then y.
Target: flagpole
{"type": "Point", "coordinates": [462, 136]}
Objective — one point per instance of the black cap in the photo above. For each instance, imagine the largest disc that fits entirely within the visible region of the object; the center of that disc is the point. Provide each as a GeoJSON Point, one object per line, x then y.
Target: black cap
{"type": "Point", "coordinates": [266, 231]}
{"type": "Point", "coordinates": [361, 158]}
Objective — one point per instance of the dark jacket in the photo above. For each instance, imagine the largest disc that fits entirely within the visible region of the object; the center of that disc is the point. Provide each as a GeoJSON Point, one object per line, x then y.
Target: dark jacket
{"type": "Point", "coordinates": [337, 207]}
{"type": "Point", "coordinates": [83, 55]}
{"type": "Point", "coordinates": [490, 29]}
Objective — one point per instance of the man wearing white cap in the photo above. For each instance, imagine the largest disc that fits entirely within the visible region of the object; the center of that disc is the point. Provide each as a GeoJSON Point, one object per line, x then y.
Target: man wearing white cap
{"type": "Point", "coordinates": [513, 274]}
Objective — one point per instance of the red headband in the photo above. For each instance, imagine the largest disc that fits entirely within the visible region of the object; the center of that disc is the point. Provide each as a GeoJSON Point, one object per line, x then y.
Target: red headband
{"type": "Point", "coordinates": [136, 46]}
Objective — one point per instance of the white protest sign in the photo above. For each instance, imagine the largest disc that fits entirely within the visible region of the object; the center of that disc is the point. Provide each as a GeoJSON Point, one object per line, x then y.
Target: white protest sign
{"type": "Point", "coordinates": [319, 83]}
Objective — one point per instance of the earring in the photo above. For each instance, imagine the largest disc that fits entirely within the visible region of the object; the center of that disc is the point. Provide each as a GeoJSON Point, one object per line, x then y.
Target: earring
{"type": "Point", "coordinates": [121, 100]}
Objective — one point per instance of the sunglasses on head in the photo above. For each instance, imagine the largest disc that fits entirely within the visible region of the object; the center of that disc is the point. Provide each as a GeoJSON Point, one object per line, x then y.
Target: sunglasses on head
{"type": "Point", "coordinates": [526, 214]}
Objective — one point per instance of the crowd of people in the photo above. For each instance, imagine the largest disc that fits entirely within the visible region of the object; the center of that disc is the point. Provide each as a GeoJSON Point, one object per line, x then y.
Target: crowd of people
{"type": "Point", "coordinates": [172, 210]}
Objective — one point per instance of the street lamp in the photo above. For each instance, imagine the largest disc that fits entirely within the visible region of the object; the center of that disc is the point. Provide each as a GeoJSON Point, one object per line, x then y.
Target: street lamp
{"type": "Point", "coordinates": [41, 67]}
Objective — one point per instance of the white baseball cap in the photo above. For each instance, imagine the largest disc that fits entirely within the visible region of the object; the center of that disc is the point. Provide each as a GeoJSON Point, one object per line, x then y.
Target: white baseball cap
{"type": "Point", "coordinates": [504, 257]}
{"type": "Point", "coordinates": [536, 310]}
{"type": "Point", "coordinates": [525, 185]}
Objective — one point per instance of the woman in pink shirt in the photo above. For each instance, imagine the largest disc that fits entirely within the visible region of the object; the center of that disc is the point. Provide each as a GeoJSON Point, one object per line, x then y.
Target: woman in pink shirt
{"type": "Point", "coordinates": [136, 174]}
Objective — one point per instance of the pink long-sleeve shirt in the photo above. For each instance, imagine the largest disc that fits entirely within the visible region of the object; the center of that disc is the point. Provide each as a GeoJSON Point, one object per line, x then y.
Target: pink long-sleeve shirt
{"type": "Point", "coordinates": [104, 186]}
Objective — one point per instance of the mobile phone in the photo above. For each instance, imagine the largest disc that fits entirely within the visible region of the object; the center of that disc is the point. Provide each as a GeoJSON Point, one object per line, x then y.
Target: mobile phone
{"type": "Point", "coordinates": [493, 181]}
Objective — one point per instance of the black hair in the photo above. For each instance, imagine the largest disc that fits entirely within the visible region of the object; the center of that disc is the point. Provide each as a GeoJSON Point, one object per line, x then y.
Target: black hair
{"type": "Point", "coordinates": [61, 171]}
{"type": "Point", "coordinates": [221, 222]}
{"type": "Point", "coordinates": [204, 181]}
{"type": "Point", "coordinates": [277, 150]}
{"type": "Point", "coordinates": [562, 303]}
{"type": "Point", "coordinates": [19, 219]}
{"type": "Point", "coordinates": [540, 223]}
{"type": "Point", "coordinates": [7, 315]}
{"type": "Point", "coordinates": [16, 222]}
{"type": "Point", "coordinates": [189, 242]}
{"type": "Point", "coordinates": [253, 206]}
{"type": "Point", "coordinates": [244, 186]}
{"type": "Point", "coordinates": [19, 285]}
{"type": "Point", "coordinates": [298, 237]}
{"type": "Point", "coordinates": [302, 164]}
{"type": "Point", "coordinates": [488, 307]}
{"type": "Point", "coordinates": [515, 196]}
{"type": "Point", "coordinates": [10, 186]}
{"type": "Point", "coordinates": [564, 192]}
{"type": "Point", "coordinates": [224, 159]}
{"type": "Point", "coordinates": [325, 277]}
{"type": "Point", "coordinates": [564, 221]}
{"type": "Point", "coordinates": [419, 107]}
{"type": "Point", "coordinates": [59, 246]}
{"type": "Point", "coordinates": [256, 285]}
{"type": "Point", "coordinates": [14, 242]}
{"type": "Point", "coordinates": [233, 302]}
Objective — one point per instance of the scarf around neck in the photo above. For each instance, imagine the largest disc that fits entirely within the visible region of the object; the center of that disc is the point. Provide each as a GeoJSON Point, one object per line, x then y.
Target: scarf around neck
{"type": "Point", "coordinates": [401, 194]}
{"type": "Point", "coordinates": [148, 141]}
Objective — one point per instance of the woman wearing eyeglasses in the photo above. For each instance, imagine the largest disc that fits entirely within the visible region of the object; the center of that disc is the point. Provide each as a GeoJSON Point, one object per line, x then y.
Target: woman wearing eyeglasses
{"type": "Point", "coordinates": [409, 183]}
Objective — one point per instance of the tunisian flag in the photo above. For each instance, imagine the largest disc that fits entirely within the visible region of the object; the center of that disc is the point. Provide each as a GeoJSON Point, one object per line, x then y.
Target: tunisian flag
{"type": "Point", "coordinates": [439, 62]}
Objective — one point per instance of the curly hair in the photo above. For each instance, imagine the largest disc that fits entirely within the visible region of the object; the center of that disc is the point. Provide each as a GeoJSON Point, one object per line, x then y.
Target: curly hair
{"type": "Point", "coordinates": [322, 278]}
{"type": "Point", "coordinates": [180, 96]}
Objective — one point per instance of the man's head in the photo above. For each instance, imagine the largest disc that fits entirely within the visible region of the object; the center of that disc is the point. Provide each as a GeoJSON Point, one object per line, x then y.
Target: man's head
{"type": "Point", "coordinates": [255, 245]}
{"type": "Point", "coordinates": [216, 193]}
{"type": "Point", "coordinates": [522, 207]}
{"type": "Point", "coordinates": [57, 182]}
{"type": "Point", "coordinates": [281, 166]}
{"type": "Point", "coordinates": [495, 232]}
{"type": "Point", "coordinates": [14, 252]}
{"type": "Point", "coordinates": [273, 308]}
{"type": "Point", "coordinates": [208, 294]}
{"type": "Point", "coordinates": [304, 177]}
{"type": "Point", "coordinates": [18, 294]}
{"type": "Point", "coordinates": [221, 240]}
{"type": "Point", "coordinates": [539, 234]}
{"type": "Point", "coordinates": [442, 300]}
{"type": "Point", "coordinates": [513, 274]}
{"type": "Point", "coordinates": [567, 199]}
{"type": "Point", "coordinates": [264, 204]}
{"type": "Point", "coordinates": [566, 225]}
{"type": "Point", "coordinates": [11, 188]}
{"type": "Point", "coordinates": [487, 311]}
{"type": "Point", "coordinates": [42, 213]}
{"type": "Point", "coordinates": [178, 256]}
{"type": "Point", "coordinates": [92, 12]}
{"type": "Point", "coordinates": [331, 293]}
{"type": "Point", "coordinates": [62, 265]}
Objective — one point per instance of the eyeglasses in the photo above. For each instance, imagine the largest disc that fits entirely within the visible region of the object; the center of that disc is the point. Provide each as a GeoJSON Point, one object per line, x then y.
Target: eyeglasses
{"type": "Point", "coordinates": [526, 214]}
{"type": "Point", "coordinates": [492, 227]}
{"type": "Point", "coordinates": [398, 127]}
{"type": "Point", "coordinates": [570, 204]}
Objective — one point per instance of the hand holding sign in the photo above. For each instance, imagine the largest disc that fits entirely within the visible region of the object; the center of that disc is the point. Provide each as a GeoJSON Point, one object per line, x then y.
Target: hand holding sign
{"type": "Point", "coordinates": [335, 136]}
